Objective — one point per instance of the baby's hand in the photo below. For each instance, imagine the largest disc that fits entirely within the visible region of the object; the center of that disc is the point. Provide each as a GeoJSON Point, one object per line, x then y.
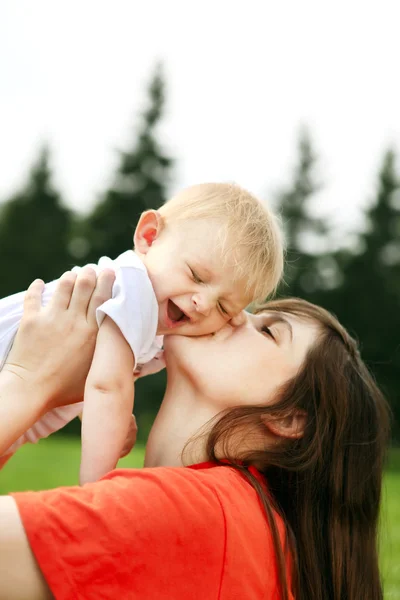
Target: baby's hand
{"type": "Point", "coordinates": [153, 366]}
{"type": "Point", "coordinates": [130, 438]}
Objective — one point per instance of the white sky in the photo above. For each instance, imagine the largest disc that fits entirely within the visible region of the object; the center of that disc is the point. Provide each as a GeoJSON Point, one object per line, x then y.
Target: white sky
{"type": "Point", "coordinates": [242, 78]}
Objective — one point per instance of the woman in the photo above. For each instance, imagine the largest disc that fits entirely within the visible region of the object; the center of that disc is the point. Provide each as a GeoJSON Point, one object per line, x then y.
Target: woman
{"type": "Point", "coordinates": [285, 432]}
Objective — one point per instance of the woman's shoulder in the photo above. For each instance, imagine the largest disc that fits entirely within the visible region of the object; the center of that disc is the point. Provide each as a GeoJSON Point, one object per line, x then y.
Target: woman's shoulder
{"type": "Point", "coordinates": [221, 499]}
{"type": "Point", "coordinates": [213, 491]}
{"type": "Point", "coordinates": [216, 477]}
{"type": "Point", "coordinates": [190, 485]}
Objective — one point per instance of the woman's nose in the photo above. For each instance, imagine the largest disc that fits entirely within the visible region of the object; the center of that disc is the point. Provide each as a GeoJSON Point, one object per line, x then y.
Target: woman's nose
{"type": "Point", "coordinates": [239, 319]}
{"type": "Point", "coordinates": [202, 304]}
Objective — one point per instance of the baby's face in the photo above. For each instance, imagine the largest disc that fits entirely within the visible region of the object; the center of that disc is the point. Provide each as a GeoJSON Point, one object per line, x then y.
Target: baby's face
{"type": "Point", "coordinates": [195, 287]}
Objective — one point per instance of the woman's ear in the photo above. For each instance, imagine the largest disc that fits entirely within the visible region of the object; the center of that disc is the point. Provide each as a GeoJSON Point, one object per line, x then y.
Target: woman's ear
{"type": "Point", "coordinates": [291, 426]}
{"type": "Point", "coordinates": [147, 230]}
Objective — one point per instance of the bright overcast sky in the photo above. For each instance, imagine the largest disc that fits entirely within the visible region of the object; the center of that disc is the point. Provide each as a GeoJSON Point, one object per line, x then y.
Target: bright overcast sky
{"type": "Point", "coordinates": [242, 77]}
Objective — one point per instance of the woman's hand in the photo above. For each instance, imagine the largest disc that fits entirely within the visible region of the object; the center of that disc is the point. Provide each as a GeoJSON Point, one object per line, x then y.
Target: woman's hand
{"type": "Point", "coordinates": [54, 346]}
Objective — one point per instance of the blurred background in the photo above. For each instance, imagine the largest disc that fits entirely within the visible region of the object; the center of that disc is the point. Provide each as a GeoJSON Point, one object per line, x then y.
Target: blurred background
{"type": "Point", "coordinates": [108, 108]}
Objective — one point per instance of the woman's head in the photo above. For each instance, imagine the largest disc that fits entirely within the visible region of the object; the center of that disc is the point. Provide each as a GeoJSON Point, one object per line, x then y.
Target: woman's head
{"type": "Point", "coordinates": [246, 365]}
{"type": "Point", "coordinates": [305, 410]}
{"type": "Point", "coordinates": [290, 357]}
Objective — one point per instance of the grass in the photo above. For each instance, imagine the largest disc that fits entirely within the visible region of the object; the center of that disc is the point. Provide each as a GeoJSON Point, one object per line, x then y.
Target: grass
{"type": "Point", "coordinates": [390, 536]}
{"type": "Point", "coordinates": [55, 462]}
{"type": "Point", "coordinates": [390, 528]}
{"type": "Point", "coordinates": [52, 463]}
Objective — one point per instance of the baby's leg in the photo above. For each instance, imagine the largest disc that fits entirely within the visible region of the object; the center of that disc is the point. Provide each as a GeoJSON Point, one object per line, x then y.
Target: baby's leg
{"type": "Point", "coordinates": [50, 423]}
{"type": "Point", "coordinates": [108, 403]}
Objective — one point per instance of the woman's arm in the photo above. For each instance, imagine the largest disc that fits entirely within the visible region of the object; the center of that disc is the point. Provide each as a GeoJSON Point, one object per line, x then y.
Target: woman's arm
{"type": "Point", "coordinates": [20, 575]}
{"type": "Point", "coordinates": [46, 367]}
{"type": "Point", "coordinates": [52, 351]}
{"type": "Point", "coordinates": [19, 408]}
{"type": "Point", "coordinates": [4, 460]}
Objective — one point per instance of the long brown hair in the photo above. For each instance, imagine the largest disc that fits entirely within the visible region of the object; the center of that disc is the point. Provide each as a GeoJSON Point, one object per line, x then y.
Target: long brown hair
{"type": "Point", "coordinates": [326, 485]}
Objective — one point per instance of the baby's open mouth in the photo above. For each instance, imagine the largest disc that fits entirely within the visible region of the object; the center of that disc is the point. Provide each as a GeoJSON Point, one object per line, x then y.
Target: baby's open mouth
{"type": "Point", "coordinates": [175, 313]}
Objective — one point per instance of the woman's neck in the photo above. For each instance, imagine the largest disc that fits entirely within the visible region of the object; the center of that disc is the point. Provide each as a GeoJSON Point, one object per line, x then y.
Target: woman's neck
{"type": "Point", "coordinates": [182, 416]}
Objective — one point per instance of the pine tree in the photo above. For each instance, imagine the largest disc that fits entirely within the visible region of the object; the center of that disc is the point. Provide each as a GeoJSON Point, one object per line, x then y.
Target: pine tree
{"type": "Point", "coordinates": [302, 274]}
{"type": "Point", "coordinates": [141, 181]}
{"type": "Point", "coordinates": [368, 302]}
{"type": "Point", "coordinates": [34, 229]}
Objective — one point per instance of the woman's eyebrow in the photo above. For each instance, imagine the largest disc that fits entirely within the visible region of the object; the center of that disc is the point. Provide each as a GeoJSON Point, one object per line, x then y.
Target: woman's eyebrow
{"type": "Point", "coordinates": [279, 319]}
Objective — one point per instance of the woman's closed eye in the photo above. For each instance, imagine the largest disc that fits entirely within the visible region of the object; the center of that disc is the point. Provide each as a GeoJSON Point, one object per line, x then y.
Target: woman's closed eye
{"type": "Point", "coordinates": [267, 330]}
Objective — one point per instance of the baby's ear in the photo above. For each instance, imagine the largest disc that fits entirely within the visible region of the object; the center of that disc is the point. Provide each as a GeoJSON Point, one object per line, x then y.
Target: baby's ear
{"type": "Point", "coordinates": [147, 230]}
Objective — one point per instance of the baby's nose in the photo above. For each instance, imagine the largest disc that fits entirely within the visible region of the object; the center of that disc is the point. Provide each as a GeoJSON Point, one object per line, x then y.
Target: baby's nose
{"type": "Point", "coordinates": [202, 304]}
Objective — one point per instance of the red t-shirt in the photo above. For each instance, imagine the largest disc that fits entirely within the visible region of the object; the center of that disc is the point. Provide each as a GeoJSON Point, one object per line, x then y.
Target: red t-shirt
{"type": "Point", "coordinates": [154, 534]}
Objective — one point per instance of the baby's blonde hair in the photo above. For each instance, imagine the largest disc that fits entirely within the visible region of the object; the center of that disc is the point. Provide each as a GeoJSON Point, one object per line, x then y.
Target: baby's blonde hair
{"type": "Point", "coordinates": [250, 230]}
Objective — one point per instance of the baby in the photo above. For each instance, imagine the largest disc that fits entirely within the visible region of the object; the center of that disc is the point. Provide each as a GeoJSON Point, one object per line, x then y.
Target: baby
{"type": "Point", "coordinates": [197, 262]}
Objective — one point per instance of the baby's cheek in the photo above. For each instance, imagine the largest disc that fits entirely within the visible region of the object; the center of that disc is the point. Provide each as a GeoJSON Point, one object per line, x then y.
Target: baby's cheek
{"type": "Point", "coordinates": [213, 324]}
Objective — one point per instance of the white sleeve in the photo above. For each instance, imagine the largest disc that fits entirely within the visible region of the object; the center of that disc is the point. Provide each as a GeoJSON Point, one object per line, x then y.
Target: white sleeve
{"type": "Point", "coordinates": [133, 308]}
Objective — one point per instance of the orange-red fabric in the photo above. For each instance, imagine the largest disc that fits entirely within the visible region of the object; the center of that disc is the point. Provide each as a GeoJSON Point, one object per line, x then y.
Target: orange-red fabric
{"type": "Point", "coordinates": [152, 534]}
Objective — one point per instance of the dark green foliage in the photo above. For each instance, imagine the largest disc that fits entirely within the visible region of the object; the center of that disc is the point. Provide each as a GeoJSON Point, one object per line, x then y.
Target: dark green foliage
{"type": "Point", "coordinates": [34, 230]}
{"type": "Point", "coordinates": [368, 302]}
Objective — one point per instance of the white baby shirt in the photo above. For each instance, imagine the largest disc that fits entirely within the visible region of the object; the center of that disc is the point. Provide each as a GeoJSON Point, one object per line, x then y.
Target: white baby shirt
{"type": "Point", "coordinates": [134, 309]}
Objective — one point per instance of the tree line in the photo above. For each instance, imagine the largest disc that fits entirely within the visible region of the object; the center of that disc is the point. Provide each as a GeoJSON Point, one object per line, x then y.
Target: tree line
{"type": "Point", "coordinates": [41, 237]}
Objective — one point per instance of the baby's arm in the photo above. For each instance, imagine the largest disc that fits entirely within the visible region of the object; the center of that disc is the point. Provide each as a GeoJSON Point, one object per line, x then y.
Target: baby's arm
{"type": "Point", "coordinates": [108, 403]}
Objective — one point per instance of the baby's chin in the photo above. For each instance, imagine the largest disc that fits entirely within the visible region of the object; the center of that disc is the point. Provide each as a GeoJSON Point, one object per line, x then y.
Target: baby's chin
{"type": "Point", "coordinates": [188, 330]}
{"type": "Point", "coordinates": [174, 329]}
{"type": "Point", "coordinates": [184, 331]}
